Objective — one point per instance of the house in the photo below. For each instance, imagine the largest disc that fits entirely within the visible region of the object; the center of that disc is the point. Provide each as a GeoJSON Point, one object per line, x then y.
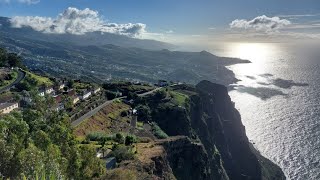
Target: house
{"type": "Point", "coordinates": [75, 99]}
{"type": "Point", "coordinates": [41, 91]}
{"type": "Point", "coordinates": [85, 95]}
{"type": "Point", "coordinates": [49, 90]}
{"type": "Point", "coordinates": [61, 86]}
{"type": "Point", "coordinates": [95, 91]}
{"type": "Point", "coordinates": [163, 83]}
{"type": "Point", "coordinates": [58, 98]}
{"type": "Point", "coordinates": [6, 108]}
{"type": "Point", "coordinates": [70, 92]}
{"type": "Point", "coordinates": [58, 107]}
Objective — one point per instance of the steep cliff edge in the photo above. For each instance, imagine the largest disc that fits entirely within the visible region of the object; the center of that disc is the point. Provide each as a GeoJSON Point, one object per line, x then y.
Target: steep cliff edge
{"type": "Point", "coordinates": [209, 119]}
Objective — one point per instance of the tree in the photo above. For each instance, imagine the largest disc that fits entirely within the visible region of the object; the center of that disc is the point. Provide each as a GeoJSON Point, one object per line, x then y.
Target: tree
{"type": "Point", "coordinates": [159, 95]}
{"type": "Point", "coordinates": [132, 95]}
{"type": "Point", "coordinates": [31, 161]}
{"type": "Point", "coordinates": [144, 113]}
{"type": "Point", "coordinates": [130, 140]}
{"type": "Point", "coordinates": [14, 60]}
{"type": "Point", "coordinates": [91, 166]}
{"type": "Point", "coordinates": [119, 138]}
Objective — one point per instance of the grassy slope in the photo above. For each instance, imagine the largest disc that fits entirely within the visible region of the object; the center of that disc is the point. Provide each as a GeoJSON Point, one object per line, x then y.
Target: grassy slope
{"type": "Point", "coordinates": [105, 120]}
{"type": "Point", "coordinates": [39, 79]}
{"type": "Point", "coordinates": [5, 83]}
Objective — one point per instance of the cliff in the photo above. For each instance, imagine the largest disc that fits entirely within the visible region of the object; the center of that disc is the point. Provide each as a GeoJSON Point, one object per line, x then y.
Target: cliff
{"type": "Point", "coordinates": [217, 146]}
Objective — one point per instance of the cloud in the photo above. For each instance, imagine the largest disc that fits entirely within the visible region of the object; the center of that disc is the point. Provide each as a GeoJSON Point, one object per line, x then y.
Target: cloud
{"type": "Point", "coordinates": [298, 15]}
{"type": "Point", "coordinates": [261, 24]}
{"type": "Point", "coordinates": [29, 1]}
{"type": "Point", "coordinates": [169, 32]}
{"type": "Point", "coordinates": [76, 21]}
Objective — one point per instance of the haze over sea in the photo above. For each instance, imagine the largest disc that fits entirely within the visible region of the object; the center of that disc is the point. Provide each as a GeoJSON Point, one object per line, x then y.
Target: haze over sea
{"type": "Point", "coordinates": [279, 101]}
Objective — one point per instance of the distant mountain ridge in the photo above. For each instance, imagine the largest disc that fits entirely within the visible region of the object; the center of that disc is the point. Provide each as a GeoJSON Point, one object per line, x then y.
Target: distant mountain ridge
{"type": "Point", "coordinates": [93, 38]}
{"type": "Point", "coordinates": [101, 58]}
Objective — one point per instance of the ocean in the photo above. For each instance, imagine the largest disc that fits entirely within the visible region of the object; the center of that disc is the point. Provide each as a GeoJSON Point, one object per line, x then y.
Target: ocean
{"type": "Point", "coordinates": [278, 97]}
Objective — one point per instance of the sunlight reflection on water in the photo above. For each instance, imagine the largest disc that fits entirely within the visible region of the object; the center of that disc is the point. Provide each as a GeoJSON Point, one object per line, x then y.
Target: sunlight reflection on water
{"type": "Point", "coordinates": [278, 98]}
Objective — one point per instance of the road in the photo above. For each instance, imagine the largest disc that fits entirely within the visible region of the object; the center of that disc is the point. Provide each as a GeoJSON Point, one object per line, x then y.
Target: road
{"type": "Point", "coordinates": [21, 75]}
{"type": "Point", "coordinates": [97, 109]}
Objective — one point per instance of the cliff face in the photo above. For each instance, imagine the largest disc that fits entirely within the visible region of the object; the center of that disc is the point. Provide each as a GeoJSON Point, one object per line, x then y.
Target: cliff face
{"type": "Point", "coordinates": [217, 147]}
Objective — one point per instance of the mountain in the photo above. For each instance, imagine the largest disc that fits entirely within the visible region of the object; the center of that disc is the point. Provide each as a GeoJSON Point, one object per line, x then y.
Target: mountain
{"type": "Point", "coordinates": [93, 38]}
{"type": "Point", "coordinates": [100, 58]}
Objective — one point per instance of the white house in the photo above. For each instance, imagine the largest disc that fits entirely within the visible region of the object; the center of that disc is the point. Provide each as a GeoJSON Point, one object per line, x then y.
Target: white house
{"type": "Point", "coordinates": [6, 108]}
{"type": "Point", "coordinates": [96, 91]}
{"type": "Point", "coordinates": [75, 99]}
{"type": "Point", "coordinates": [59, 107]}
{"type": "Point", "coordinates": [61, 86]}
{"type": "Point", "coordinates": [85, 95]}
{"type": "Point", "coordinates": [49, 90]}
{"type": "Point", "coordinates": [41, 92]}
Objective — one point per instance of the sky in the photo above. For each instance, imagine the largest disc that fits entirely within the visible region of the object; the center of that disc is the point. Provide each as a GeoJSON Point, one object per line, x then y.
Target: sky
{"type": "Point", "coordinates": [176, 21]}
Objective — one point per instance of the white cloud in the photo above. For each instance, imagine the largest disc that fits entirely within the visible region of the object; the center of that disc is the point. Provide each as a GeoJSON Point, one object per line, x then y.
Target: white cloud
{"type": "Point", "coordinates": [29, 1]}
{"type": "Point", "coordinates": [75, 21]}
{"type": "Point", "coordinates": [261, 24]}
{"type": "Point", "coordinates": [298, 15]}
{"type": "Point", "coordinates": [211, 28]}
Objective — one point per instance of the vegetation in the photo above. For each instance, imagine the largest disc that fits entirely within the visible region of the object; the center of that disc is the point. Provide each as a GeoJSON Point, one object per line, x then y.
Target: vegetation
{"type": "Point", "coordinates": [40, 143]}
{"type": "Point", "coordinates": [121, 153]}
{"type": "Point", "coordinates": [10, 59]}
{"type": "Point", "coordinates": [157, 131]}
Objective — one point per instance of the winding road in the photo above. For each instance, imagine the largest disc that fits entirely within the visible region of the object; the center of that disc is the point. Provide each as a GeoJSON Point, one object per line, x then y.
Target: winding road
{"type": "Point", "coordinates": [97, 109]}
{"type": "Point", "coordinates": [21, 76]}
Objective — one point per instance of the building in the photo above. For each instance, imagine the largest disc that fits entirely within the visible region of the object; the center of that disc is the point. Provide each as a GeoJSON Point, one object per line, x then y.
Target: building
{"type": "Point", "coordinates": [96, 90]}
{"type": "Point", "coordinates": [75, 99]}
{"type": "Point", "coordinates": [41, 91]}
{"type": "Point", "coordinates": [58, 98]}
{"type": "Point", "coordinates": [58, 107]}
{"type": "Point", "coordinates": [6, 108]}
{"type": "Point", "coordinates": [70, 92]}
{"type": "Point", "coordinates": [85, 95]}
{"type": "Point", "coordinates": [134, 117]}
{"type": "Point", "coordinates": [49, 90]}
{"type": "Point", "coordinates": [61, 86]}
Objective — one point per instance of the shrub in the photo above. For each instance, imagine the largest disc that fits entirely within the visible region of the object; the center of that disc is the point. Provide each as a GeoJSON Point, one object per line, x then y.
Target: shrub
{"type": "Point", "coordinates": [121, 153]}
{"type": "Point", "coordinates": [157, 131]}
{"type": "Point", "coordinates": [119, 138]}
{"type": "Point", "coordinates": [98, 136]}
{"type": "Point", "coordinates": [110, 95]}
{"type": "Point", "coordinates": [144, 113]}
{"type": "Point", "coordinates": [124, 113]}
{"type": "Point", "coordinates": [130, 140]}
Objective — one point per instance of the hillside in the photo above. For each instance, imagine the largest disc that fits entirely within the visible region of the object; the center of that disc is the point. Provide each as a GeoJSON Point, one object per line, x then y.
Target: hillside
{"type": "Point", "coordinates": [183, 132]}
{"type": "Point", "coordinates": [98, 58]}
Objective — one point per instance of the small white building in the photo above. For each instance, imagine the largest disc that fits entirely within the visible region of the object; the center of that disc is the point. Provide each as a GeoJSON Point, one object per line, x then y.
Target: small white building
{"type": "Point", "coordinates": [59, 107]}
{"type": "Point", "coordinates": [61, 86]}
{"type": "Point", "coordinates": [75, 99]}
{"type": "Point", "coordinates": [41, 92]}
{"type": "Point", "coordinates": [85, 95]}
{"type": "Point", "coordinates": [49, 90]}
{"type": "Point", "coordinates": [6, 108]}
{"type": "Point", "coordinates": [96, 91]}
